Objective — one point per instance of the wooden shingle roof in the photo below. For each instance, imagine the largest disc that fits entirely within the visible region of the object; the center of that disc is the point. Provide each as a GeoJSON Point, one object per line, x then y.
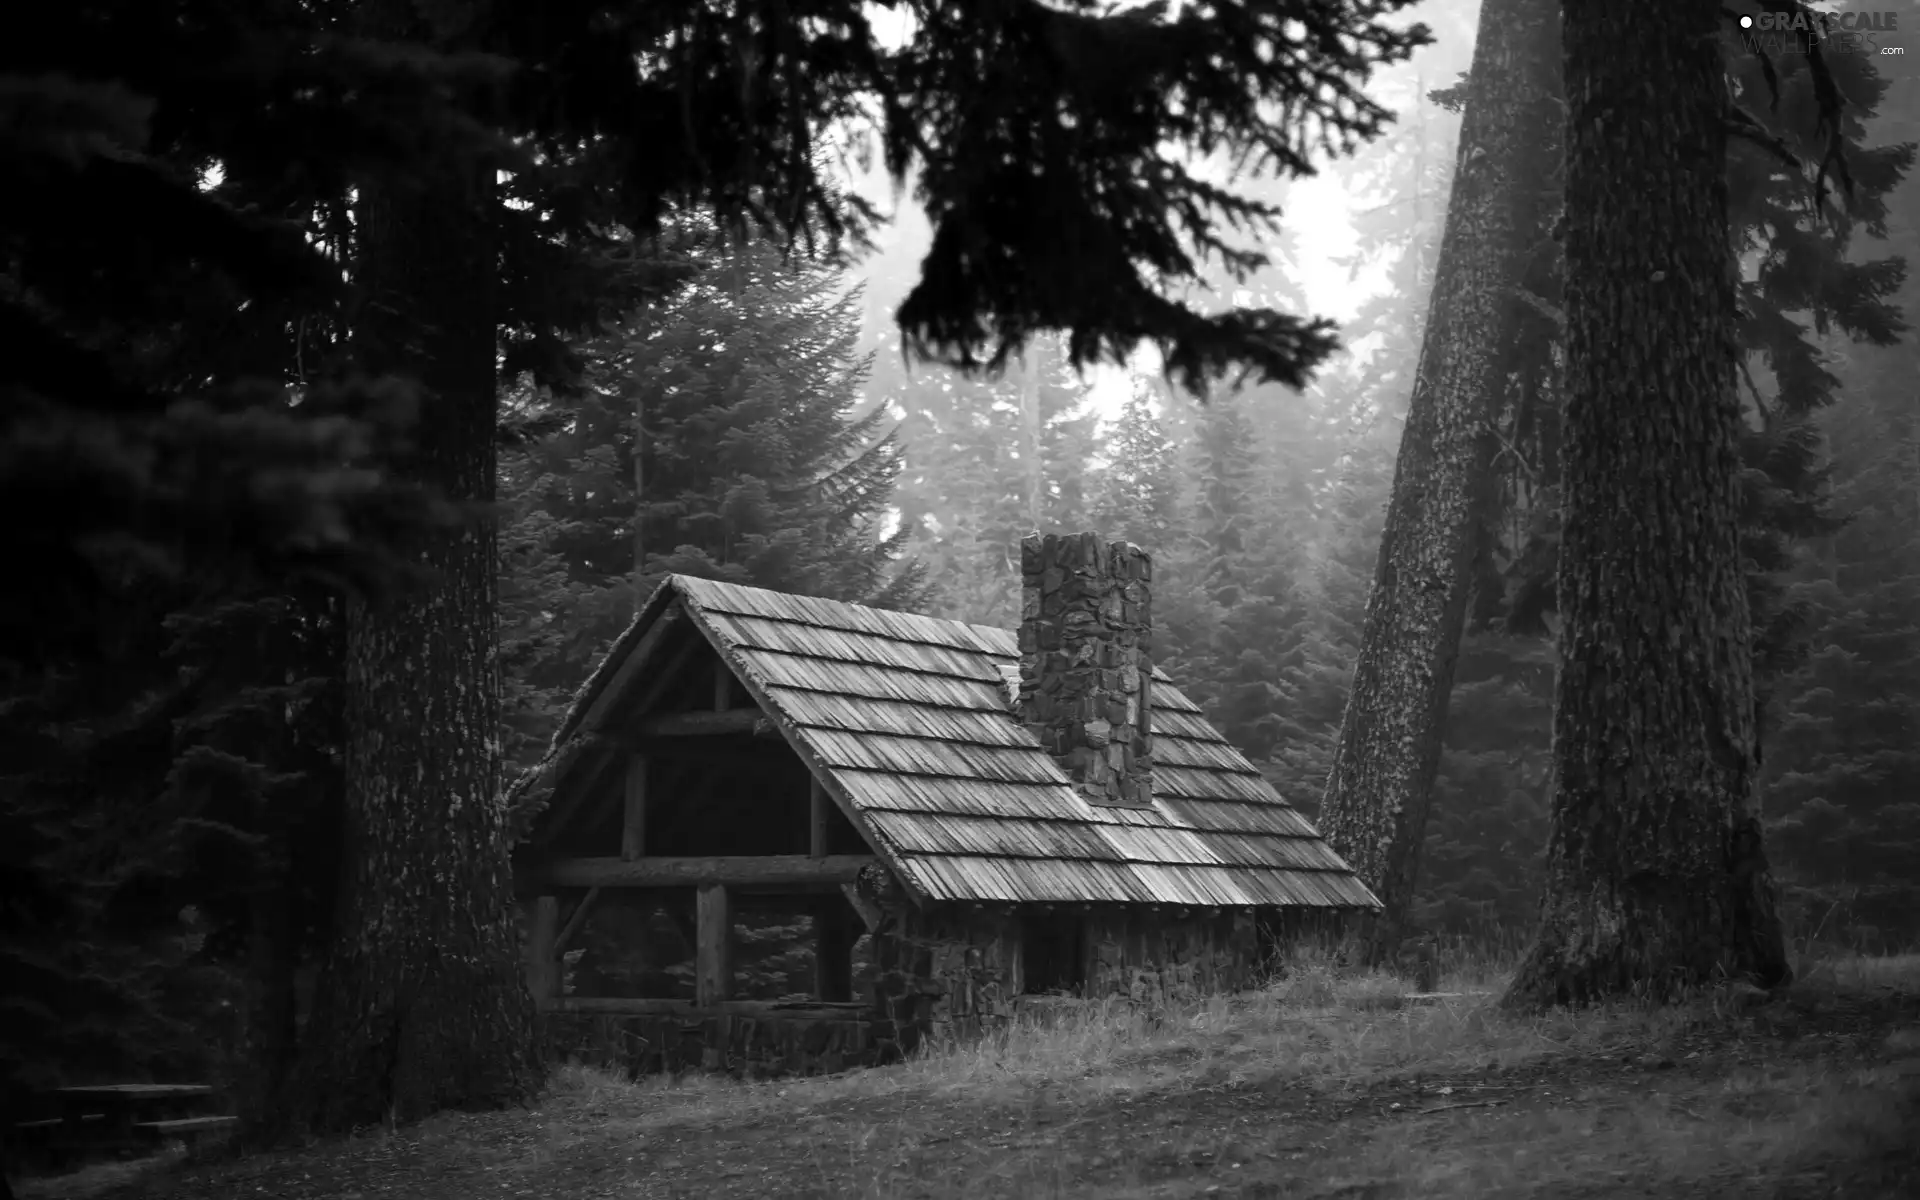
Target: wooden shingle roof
{"type": "Point", "coordinates": [906, 721]}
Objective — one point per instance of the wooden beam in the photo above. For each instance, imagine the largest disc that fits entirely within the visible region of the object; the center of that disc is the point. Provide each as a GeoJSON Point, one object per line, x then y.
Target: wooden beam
{"type": "Point", "coordinates": [766, 870]}
{"type": "Point", "coordinates": [703, 724]}
{"type": "Point", "coordinates": [635, 1005]}
{"type": "Point", "coordinates": [833, 951]}
{"type": "Point", "coordinates": [594, 777]}
{"type": "Point", "coordinates": [543, 962]}
{"type": "Point", "coordinates": [722, 685]}
{"type": "Point", "coordinates": [574, 921]}
{"type": "Point", "coordinates": [604, 705]}
{"type": "Point", "coordinates": [791, 1010]}
{"type": "Point", "coordinates": [713, 955]}
{"type": "Point", "coordinates": [633, 825]}
{"type": "Point", "coordinates": [820, 816]}
{"type": "Point", "coordinates": [732, 751]}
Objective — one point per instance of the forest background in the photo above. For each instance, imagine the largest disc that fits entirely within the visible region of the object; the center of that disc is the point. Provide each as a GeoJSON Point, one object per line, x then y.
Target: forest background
{"type": "Point", "coordinates": [784, 443]}
{"type": "Point", "coordinates": [1263, 508]}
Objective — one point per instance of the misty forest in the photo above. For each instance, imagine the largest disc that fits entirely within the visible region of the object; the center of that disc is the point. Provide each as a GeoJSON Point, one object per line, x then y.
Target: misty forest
{"type": "Point", "coordinates": [914, 598]}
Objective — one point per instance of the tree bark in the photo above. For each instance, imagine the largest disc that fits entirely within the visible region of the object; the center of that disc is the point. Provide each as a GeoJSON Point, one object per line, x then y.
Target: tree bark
{"type": "Point", "coordinates": [421, 1004]}
{"type": "Point", "coordinates": [1378, 792]}
{"type": "Point", "coordinates": [1657, 880]}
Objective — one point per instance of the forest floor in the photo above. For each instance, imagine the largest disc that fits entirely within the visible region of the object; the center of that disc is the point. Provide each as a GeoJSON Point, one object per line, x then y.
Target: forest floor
{"type": "Point", "coordinates": [1322, 1086]}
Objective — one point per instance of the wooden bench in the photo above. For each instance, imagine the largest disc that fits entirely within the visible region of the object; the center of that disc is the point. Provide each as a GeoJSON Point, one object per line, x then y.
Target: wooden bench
{"type": "Point", "coordinates": [182, 1126]}
{"type": "Point", "coordinates": [103, 1120]}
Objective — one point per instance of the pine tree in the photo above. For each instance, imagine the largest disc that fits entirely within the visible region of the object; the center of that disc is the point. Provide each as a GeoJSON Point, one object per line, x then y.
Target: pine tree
{"type": "Point", "coordinates": [171, 300]}
{"type": "Point", "coordinates": [252, 804]}
{"type": "Point", "coordinates": [1657, 878]}
{"type": "Point", "coordinates": [1144, 495]}
{"type": "Point", "coordinates": [1359, 404]}
{"type": "Point", "coordinates": [1846, 764]}
{"type": "Point", "coordinates": [79, 994]}
{"type": "Point", "coordinates": [758, 469]}
{"type": "Point", "coordinates": [967, 494]}
{"type": "Point", "coordinates": [1137, 496]}
{"type": "Point", "coordinates": [1222, 468]}
{"type": "Point", "coordinates": [1796, 284]}
{"type": "Point", "coordinates": [1377, 797]}
{"type": "Point", "coordinates": [1842, 768]}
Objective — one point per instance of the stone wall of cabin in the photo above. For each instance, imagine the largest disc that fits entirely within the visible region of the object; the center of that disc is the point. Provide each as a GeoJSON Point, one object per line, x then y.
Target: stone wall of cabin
{"type": "Point", "coordinates": [956, 972]}
{"type": "Point", "coordinates": [1154, 960]}
{"type": "Point", "coordinates": [947, 972]}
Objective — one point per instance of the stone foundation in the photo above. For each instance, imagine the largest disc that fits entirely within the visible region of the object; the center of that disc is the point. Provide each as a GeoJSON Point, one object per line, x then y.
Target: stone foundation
{"type": "Point", "coordinates": [942, 973]}
{"type": "Point", "coordinates": [1156, 961]}
{"type": "Point", "coordinates": [947, 973]}
{"type": "Point", "coordinates": [956, 973]}
{"type": "Point", "coordinates": [749, 1047]}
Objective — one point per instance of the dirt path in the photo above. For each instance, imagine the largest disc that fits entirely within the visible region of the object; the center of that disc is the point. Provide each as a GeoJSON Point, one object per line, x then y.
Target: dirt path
{"type": "Point", "coordinates": [1789, 1102]}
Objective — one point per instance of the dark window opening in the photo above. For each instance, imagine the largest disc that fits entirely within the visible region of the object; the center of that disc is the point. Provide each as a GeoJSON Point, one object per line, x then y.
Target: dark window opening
{"type": "Point", "coordinates": [1052, 952]}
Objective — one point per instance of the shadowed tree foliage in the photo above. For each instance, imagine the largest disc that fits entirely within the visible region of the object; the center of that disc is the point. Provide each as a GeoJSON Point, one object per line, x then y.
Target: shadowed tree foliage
{"type": "Point", "coordinates": [1843, 764]}
{"type": "Point", "coordinates": [174, 413]}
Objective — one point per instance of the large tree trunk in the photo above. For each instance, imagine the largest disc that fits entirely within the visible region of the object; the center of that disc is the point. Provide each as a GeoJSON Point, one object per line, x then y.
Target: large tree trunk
{"type": "Point", "coordinates": [420, 1004]}
{"type": "Point", "coordinates": [1375, 810]}
{"type": "Point", "coordinates": [1656, 877]}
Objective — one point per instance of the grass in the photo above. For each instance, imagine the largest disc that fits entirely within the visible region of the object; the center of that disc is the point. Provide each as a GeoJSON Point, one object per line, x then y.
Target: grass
{"type": "Point", "coordinates": [1327, 1083]}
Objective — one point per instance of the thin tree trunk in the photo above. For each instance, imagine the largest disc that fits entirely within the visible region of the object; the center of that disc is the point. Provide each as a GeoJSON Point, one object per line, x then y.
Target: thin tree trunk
{"type": "Point", "coordinates": [1030, 440]}
{"type": "Point", "coordinates": [1657, 880]}
{"type": "Point", "coordinates": [420, 1004]}
{"type": "Point", "coordinates": [1375, 809]}
{"type": "Point", "coordinates": [639, 500]}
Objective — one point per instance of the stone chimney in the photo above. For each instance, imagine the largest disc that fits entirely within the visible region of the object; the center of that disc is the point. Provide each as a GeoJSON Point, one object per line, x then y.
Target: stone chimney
{"type": "Point", "coordinates": [1086, 661]}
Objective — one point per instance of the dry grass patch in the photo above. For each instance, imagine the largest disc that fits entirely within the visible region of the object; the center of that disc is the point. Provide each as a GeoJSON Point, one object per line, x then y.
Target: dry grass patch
{"type": "Point", "coordinates": [1325, 1083]}
{"type": "Point", "coordinates": [1332, 1029]}
{"type": "Point", "coordinates": [1857, 973]}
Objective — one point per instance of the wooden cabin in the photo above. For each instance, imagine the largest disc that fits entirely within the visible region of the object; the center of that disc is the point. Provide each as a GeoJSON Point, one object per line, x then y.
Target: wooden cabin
{"type": "Point", "coordinates": [977, 815]}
